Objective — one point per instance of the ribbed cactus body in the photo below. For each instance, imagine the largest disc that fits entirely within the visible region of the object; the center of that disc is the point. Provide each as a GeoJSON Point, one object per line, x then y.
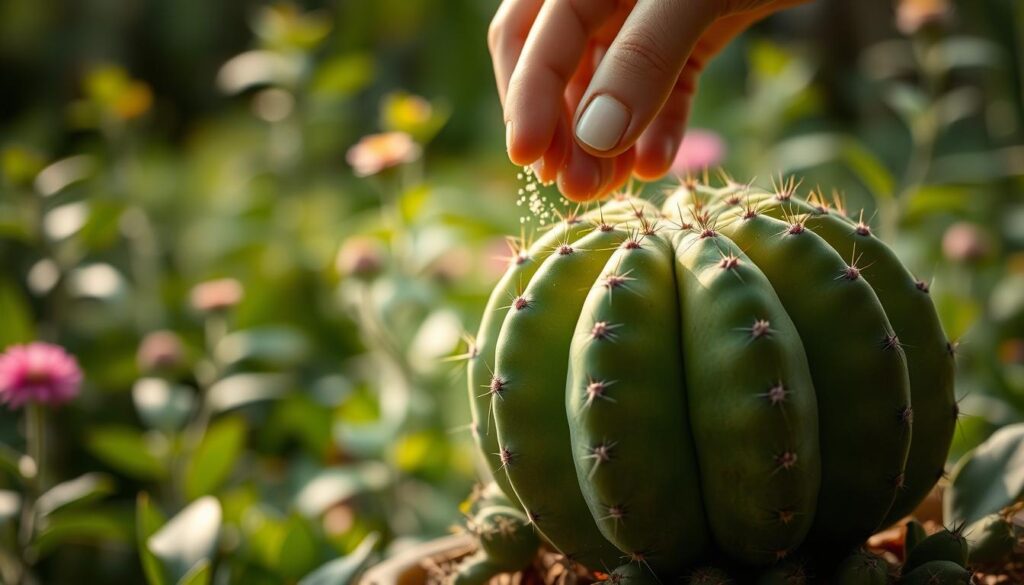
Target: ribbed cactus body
{"type": "Point", "coordinates": [737, 374]}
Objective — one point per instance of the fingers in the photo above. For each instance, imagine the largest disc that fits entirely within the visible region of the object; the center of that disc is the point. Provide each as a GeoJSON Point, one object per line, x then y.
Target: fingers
{"type": "Point", "coordinates": [637, 74]}
{"type": "Point", "coordinates": [506, 37]}
{"type": "Point", "coordinates": [658, 145]}
{"type": "Point", "coordinates": [553, 50]}
{"type": "Point", "coordinates": [584, 177]}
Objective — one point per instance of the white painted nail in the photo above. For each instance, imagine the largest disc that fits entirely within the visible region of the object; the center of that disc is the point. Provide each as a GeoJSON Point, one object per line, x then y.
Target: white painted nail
{"type": "Point", "coordinates": [603, 122]}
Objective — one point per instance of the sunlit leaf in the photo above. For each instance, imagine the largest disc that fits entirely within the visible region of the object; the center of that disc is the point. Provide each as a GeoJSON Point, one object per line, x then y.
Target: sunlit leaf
{"type": "Point", "coordinates": [285, 26]}
{"type": "Point", "coordinates": [965, 52]}
{"type": "Point", "coordinates": [810, 150]}
{"type": "Point", "coordinates": [337, 484]}
{"type": "Point", "coordinates": [93, 526]}
{"type": "Point", "coordinates": [148, 520]}
{"type": "Point", "coordinates": [343, 75]}
{"type": "Point", "coordinates": [200, 574]}
{"type": "Point", "coordinates": [84, 488]}
{"type": "Point", "coordinates": [215, 458]}
{"type": "Point", "coordinates": [10, 506]}
{"type": "Point", "coordinates": [273, 345]}
{"type": "Point", "coordinates": [258, 68]}
{"type": "Point", "coordinates": [297, 554]}
{"type": "Point", "coordinates": [161, 404]}
{"type": "Point", "coordinates": [188, 538]}
{"type": "Point", "coordinates": [241, 389]}
{"type": "Point", "coordinates": [936, 199]}
{"type": "Point", "coordinates": [126, 450]}
{"type": "Point", "coordinates": [345, 570]}
{"type": "Point", "coordinates": [19, 165]}
{"type": "Point", "coordinates": [907, 100]}
{"type": "Point", "coordinates": [987, 479]}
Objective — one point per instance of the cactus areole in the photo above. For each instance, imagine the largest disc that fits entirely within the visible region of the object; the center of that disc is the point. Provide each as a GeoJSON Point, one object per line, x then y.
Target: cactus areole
{"type": "Point", "coordinates": [739, 374]}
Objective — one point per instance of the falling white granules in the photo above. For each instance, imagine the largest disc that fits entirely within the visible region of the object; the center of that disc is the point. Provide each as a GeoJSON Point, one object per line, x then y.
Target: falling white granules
{"type": "Point", "coordinates": [540, 208]}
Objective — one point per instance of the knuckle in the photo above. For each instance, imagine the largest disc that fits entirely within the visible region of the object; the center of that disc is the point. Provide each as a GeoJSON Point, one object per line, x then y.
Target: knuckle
{"type": "Point", "coordinates": [641, 54]}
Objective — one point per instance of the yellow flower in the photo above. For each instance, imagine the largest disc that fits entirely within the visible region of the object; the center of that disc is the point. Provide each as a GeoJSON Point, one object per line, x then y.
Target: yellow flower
{"type": "Point", "coordinates": [376, 152]}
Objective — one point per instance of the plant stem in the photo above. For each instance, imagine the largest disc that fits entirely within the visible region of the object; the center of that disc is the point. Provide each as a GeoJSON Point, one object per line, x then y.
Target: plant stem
{"type": "Point", "coordinates": [35, 484]}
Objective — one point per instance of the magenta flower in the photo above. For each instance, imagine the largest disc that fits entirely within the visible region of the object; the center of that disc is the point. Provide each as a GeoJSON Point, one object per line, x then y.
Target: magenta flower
{"type": "Point", "coordinates": [701, 149]}
{"type": "Point", "coordinates": [38, 372]}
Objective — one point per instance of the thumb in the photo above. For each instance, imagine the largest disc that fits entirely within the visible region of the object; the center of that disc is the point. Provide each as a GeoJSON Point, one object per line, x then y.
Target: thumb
{"type": "Point", "coordinates": [638, 72]}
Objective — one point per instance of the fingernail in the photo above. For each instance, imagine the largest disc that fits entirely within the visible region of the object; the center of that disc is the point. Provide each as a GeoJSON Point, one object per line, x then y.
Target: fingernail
{"type": "Point", "coordinates": [508, 135]}
{"type": "Point", "coordinates": [602, 123]}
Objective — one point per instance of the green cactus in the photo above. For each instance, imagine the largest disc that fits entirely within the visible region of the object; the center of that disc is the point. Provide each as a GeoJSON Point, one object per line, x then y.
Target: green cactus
{"type": "Point", "coordinates": [709, 576]}
{"type": "Point", "coordinates": [790, 572]}
{"type": "Point", "coordinates": [632, 574]}
{"type": "Point", "coordinates": [914, 534]}
{"type": "Point", "coordinates": [993, 539]}
{"type": "Point", "coordinates": [861, 568]}
{"type": "Point", "coordinates": [909, 308]}
{"type": "Point", "coordinates": [711, 379]}
{"type": "Point", "coordinates": [937, 573]}
{"type": "Point", "coordinates": [507, 543]}
{"type": "Point", "coordinates": [944, 545]}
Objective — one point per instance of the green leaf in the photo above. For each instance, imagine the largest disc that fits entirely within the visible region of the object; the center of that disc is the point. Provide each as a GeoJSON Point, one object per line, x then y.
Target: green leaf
{"type": "Point", "coordinates": [10, 506]}
{"type": "Point", "coordinates": [297, 554]}
{"type": "Point", "coordinates": [93, 526]}
{"type": "Point", "coordinates": [869, 169]}
{"type": "Point", "coordinates": [330, 486]}
{"type": "Point", "coordinates": [242, 389]}
{"type": "Point", "coordinates": [345, 570]}
{"type": "Point", "coordinates": [127, 451]}
{"type": "Point", "coordinates": [18, 325]}
{"type": "Point", "coordinates": [276, 346]}
{"type": "Point", "coordinates": [9, 460]}
{"type": "Point", "coordinates": [987, 479]}
{"type": "Point", "coordinates": [189, 538]}
{"type": "Point", "coordinates": [162, 405]}
{"type": "Point", "coordinates": [85, 488]}
{"type": "Point", "coordinates": [213, 460]}
{"type": "Point", "coordinates": [967, 52]}
{"type": "Point", "coordinates": [342, 76]}
{"type": "Point", "coordinates": [147, 521]}
{"type": "Point", "coordinates": [935, 199]}
{"type": "Point", "coordinates": [198, 575]}
{"type": "Point", "coordinates": [810, 150]}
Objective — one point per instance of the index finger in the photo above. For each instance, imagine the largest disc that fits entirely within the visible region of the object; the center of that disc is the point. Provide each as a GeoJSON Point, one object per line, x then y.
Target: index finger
{"type": "Point", "coordinates": [507, 35]}
{"type": "Point", "coordinates": [552, 53]}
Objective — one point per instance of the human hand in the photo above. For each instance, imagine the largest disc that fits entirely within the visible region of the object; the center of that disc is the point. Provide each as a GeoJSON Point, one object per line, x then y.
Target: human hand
{"type": "Point", "coordinates": [596, 90]}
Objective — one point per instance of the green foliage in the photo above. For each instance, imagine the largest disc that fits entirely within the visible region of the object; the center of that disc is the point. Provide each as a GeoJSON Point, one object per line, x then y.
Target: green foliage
{"type": "Point", "coordinates": [973, 494]}
{"type": "Point", "coordinates": [215, 457]}
{"type": "Point", "coordinates": [158, 148]}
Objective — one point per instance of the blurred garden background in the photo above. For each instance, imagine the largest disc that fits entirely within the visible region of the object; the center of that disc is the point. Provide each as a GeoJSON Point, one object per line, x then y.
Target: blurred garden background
{"type": "Point", "coordinates": [263, 230]}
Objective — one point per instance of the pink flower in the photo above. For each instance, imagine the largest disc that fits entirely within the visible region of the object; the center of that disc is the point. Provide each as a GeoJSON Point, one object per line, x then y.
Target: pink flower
{"type": "Point", "coordinates": [965, 242]}
{"type": "Point", "coordinates": [217, 295]}
{"type": "Point", "coordinates": [160, 351]}
{"type": "Point", "coordinates": [700, 149]}
{"type": "Point", "coordinates": [38, 372]}
{"type": "Point", "coordinates": [376, 152]}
